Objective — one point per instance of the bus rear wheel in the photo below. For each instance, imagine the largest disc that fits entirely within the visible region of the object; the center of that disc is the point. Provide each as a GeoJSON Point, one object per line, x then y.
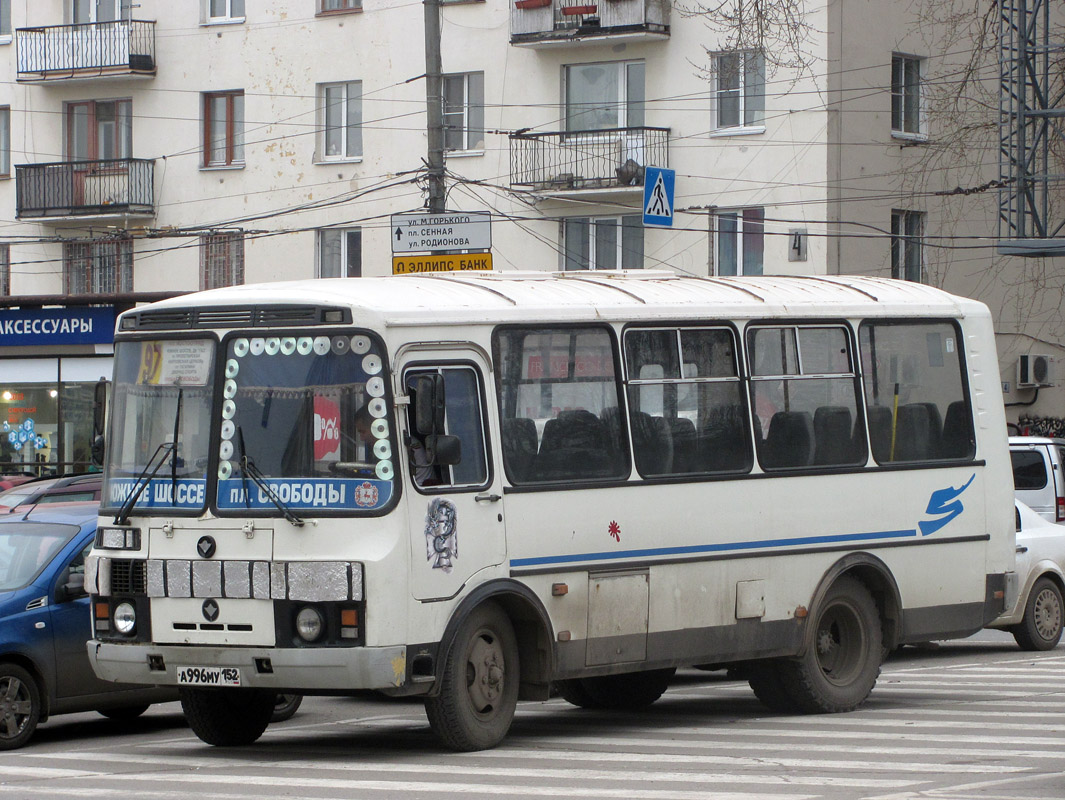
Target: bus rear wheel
{"type": "Point", "coordinates": [228, 717]}
{"type": "Point", "coordinates": [769, 687]}
{"type": "Point", "coordinates": [840, 667]}
{"type": "Point", "coordinates": [479, 689]}
{"type": "Point", "coordinates": [627, 692]}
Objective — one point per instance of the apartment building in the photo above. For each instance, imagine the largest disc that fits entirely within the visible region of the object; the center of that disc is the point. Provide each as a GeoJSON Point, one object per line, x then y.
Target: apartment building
{"type": "Point", "coordinates": [157, 147]}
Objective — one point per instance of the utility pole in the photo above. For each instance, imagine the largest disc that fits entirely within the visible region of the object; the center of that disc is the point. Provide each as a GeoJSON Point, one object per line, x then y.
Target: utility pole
{"type": "Point", "coordinates": [434, 105]}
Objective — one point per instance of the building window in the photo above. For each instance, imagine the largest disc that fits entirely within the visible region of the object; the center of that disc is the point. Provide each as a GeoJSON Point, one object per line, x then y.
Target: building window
{"type": "Point", "coordinates": [99, 130]}
{"type": "Point", "coordinates": [739, 90]}
{"type": "Point", "coordinates": [906, 95]}
{"type": "Point", "coordinates": [907, 228]}
{"type": "Point", "coordinates": [340, 253]}
{"type": "Point", "coordinates": [604, 96]}
{"type": "Point", "coordinates": [603, 242]}
{"type": "Point", "coordinates": [98, 267]}
{"type": "Point", "coordinates": [464, 111]}
{"type": "Point", "coordinates": [223, 128]}
{"type": "Point", "coordinates": [5, 20]}
{"type": "Point", "coordinates": [221, 260]}
{"type": "Point", "coordinates": [225, 10]}
{"type": "Point", "coordinates": [325, 6]}
{"type": "Point", "coordinates": [340, 120]}
{"type": "Point", "coordinates": [85, 11]}
{"type": "Point", "coordinates": [5, 141]}
{"type": "Point", "coordinates": [740, 241]}
{"type": "Point", "coordinates": [5, 270]}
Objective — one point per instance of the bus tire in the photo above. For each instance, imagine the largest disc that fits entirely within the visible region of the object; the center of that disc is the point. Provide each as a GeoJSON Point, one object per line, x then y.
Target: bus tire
{"type": "Point", "coordinates": [630, 691]}
{"type": "Point", "coordinates": [1040, 628]}
{"type": "Point", "coordinates": [228, 717]}
{"type": "Point", "coordinates": [573, 691]}
{"type": "Point", "coordinates": [479, 687]}
{"type": "Point", "coordinates": [769, 687]}
{"type": "Point", "coordinates": [842, 662]}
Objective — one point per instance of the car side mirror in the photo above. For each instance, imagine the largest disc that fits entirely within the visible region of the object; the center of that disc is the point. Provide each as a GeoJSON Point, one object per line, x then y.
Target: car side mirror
{"type": "Point", "coordinates": [72, 587]}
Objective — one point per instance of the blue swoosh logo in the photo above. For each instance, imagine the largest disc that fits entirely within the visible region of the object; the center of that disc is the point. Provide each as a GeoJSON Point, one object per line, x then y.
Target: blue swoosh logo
{"type": "Point", "coordinates": [943, 503]}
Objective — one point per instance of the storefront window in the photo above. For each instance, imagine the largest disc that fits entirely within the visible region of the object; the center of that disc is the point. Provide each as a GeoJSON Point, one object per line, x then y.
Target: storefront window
{"type": "Point", "coordinates": [29, 424]}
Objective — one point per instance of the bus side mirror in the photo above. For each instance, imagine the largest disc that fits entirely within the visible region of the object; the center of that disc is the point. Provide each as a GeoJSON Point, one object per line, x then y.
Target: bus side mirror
{"type": "Point", "coordinates": [99, 407]}
{"type": "Point", "coordinates": [443, 449]}
{"type": "Point", "coordinates": [429, 404]}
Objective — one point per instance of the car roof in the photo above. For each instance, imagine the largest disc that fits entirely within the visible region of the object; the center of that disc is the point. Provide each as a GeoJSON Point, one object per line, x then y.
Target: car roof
{"type": "Point", "coordinates": [74, 513]}
{"type": "Point", "coordinates": [1036, 440]}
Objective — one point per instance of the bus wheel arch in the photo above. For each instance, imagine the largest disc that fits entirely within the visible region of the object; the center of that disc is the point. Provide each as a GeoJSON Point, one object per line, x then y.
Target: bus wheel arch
{"type": "Point", "coordinates": [875, 575]}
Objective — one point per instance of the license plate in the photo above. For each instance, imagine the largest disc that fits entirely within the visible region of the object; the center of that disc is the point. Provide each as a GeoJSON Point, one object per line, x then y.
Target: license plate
{"type": "Point", "coordinates": [208, 676]}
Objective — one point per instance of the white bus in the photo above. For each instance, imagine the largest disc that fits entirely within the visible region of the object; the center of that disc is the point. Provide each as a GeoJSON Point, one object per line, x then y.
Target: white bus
{"type": "Point", "coordinates": [477, 488]}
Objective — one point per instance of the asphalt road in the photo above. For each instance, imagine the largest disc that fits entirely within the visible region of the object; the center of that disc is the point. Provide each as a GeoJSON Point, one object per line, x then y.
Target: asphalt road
{"type": "Point", "coordinates": [958, 721]}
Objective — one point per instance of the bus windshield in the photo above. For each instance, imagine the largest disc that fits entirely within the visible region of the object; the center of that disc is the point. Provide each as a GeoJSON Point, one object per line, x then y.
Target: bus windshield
{"type": "Point", "coordinates": [160, 421]}
{"type": "Point", "coordinates": [304, 425]}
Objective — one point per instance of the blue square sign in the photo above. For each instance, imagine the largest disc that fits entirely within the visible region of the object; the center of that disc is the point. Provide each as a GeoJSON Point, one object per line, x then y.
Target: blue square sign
{"type": "Point", "coordinates": [658, 184]}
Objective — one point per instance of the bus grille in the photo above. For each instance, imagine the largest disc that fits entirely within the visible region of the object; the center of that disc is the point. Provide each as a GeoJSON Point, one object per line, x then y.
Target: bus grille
{"type": "Point", "coordinates": [248, 316]}
{"type": "Point", "coordinates": [128, 576]}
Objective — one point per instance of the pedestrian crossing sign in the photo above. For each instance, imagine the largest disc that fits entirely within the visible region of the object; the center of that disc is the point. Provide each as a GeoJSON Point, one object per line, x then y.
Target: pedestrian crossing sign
{"type": "Point", "coordinates": [658, 186]}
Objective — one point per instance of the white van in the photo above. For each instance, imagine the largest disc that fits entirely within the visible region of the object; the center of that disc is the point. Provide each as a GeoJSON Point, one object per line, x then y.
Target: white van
{"type": "Point", "coordinates": [1038, 480]}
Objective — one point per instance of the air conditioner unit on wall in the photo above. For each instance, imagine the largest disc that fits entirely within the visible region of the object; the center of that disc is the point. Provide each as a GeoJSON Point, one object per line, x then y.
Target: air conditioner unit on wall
{"type": "Point", "coordinates": [1034, 370]}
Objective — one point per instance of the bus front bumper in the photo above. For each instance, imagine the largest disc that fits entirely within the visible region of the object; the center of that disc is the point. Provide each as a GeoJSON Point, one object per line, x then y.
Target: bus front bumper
{"type": "Point", "coordinates": [338, 669]}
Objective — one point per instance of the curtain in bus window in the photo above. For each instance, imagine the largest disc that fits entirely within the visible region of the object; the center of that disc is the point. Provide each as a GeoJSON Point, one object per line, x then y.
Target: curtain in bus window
{"type": "Point", "coordinates": [915, 392]}
{"type": "Point", "coordinates": [559, 401]}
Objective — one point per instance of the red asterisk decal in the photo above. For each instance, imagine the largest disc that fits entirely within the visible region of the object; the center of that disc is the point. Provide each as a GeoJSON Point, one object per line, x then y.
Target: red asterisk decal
{"type": "Point", "coordinates": [615, 530]}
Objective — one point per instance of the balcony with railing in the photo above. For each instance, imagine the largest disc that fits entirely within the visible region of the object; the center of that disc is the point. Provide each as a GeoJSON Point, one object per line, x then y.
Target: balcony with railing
{"type": "Point", "coordinates": [122, 48]}
{"type": "Point", "coordinates": [81, 189]}
{"type": "Point", "coordinates": [565, 162]}
{"type": "Point", "coordinates": [555, 23]}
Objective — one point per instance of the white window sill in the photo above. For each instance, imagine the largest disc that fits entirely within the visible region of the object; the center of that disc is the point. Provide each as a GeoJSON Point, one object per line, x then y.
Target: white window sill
{"type": "Point", "coordinates": [462, 153]}
{"type": "Point", "coordinates": [909, 137]}
{"type": "Point", "coordinates": [221, 167]}
{"type": "Point", "coordinates": [751, 130]}
{"type": "Point", "coordinates": [6, 38]}
{"type": "Point", "coordinates": [337, 160]}
{"type": "Point", "coordinates": [223, 21]}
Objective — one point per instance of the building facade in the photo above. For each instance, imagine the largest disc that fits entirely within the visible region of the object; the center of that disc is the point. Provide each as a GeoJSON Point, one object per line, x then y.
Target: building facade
{"type": "Point", "coordinates": [163, 147]}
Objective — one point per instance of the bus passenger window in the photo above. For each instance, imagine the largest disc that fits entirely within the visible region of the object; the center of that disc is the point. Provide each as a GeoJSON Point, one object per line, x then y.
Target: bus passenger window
{"type": "Point", "coordinates": [463, 417]}
{"type": "Point", "coordinates": [805, 397]}
{"type": "Point", "coordinates": [915, 395]}
{"type": "Point", "coordinates": [559, 405]}
{"type": "Point", "coordinates": [687, 413]}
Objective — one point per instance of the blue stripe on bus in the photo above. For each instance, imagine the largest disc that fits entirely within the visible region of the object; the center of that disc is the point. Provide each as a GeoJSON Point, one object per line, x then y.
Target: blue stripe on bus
{"type": "Point", "coordinates": [710, 548]}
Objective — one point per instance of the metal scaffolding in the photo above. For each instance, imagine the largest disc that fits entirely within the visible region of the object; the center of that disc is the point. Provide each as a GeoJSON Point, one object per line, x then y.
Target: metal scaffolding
{"type": "Point", "coordinates": [1031, 132]}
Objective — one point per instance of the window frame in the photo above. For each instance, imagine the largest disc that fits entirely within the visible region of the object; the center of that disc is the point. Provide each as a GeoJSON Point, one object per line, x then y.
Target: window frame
{"type": "Point", "coordinates": [323, 128]}
{"type": "Point", "coordinates": [592, 242]}
{"type": "Point", "coordinates": [228, 18]}
{"type": "Point", "coordinates": [123, 129]}
{"type": "Point", "coordinates": [344, 7]}
{"type": "Point", "coordinates": [629, 112]}
{"type": "Point", "coordinates": [7, 35]}
{"type": "Point", "coordinates": [470, 110]}
{"type": "Point", "coordinates": [5, 142]}
{"type": "Point", "coordinates": [907, 247]}
{"type": "Point", "coordinates": [344, 266]}
{"type": "Point", "coordinates": [5, 269]}
{"type": "Point", "coordinates": [907, 97]}
{"type": "Point", "coordinates": [233, 244]}
{"type": "Point", "coordinates": [745, 241]}
{"type": "Point", "coordinates": [234, 133]}
{"type": "Point", "coordinates": [89, 260]}
{"type": "Point", "coordinates": [749, 92]}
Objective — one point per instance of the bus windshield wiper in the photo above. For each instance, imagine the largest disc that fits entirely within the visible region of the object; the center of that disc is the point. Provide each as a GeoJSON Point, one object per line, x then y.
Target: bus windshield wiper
{"type": "Point", "coordinates": [139, 485]}
{"type": "Point", "coordinates": [249, 470]}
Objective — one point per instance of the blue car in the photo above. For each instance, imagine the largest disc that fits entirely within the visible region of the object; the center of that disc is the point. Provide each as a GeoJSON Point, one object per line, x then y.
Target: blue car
{"type": "Point", "coordinates": [45, 622]}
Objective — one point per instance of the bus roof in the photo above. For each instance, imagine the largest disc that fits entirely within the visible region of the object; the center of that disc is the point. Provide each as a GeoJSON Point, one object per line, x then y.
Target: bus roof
{"type": "Point", "coordinates": [500, 297]}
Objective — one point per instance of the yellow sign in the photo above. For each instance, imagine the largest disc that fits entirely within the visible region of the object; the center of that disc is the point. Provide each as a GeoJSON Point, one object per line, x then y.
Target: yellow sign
{"type": "Point", "coordinates": [460, 262]}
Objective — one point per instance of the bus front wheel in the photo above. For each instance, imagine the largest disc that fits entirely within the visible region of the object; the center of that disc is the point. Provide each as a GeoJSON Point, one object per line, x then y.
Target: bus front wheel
{"type": "Point", "coordinates": [228, 717]}
{"type": "Point", "coordinates": [479, 689]}
{"type": "Point", "coordinates": [842, 662]}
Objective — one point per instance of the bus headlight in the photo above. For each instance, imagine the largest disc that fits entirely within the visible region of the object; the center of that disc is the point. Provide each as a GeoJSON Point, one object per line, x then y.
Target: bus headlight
{"type": "Point", "coordinates": [309, 624]}
{"type": "Point", "coordinates": [125, 618]}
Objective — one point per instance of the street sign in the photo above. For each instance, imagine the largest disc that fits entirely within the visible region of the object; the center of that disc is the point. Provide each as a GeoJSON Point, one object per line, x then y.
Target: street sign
{"type": "Point", "coordinates": [658, 186]}
{"type": "Point", "coordinates": [459, 262]}
{"type": "Point", "coordinates": [449, 230]}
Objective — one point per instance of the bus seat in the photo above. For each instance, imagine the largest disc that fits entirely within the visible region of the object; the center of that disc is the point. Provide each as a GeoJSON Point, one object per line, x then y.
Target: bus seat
{"type": "Point", "coordinates": [682, 433]}
{"type": "Point", "coordinates": [833, 436]}
{"type": "Point", "coordinates": [652, 444]}
{"type": "Point", "coordinates": [789, 441]}
{"type": "Point", "coordinates": [880, 432]}
{"type": "Point", "coordinates": [723, 445]}
{"type": "Point", "coordinates": [957, 439]}
{"type": "Point", "coordinates": [913, 433]}
{"type": "Point", "coordinates": [519, 447]}
{"type": "Point", "coordinates": [935, 430]}
{"type": "Point", "coordinates": [574, 446]}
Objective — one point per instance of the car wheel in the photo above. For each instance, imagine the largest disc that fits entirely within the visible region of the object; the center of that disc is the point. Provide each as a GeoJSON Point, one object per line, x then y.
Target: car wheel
{"type": "Point", "coordinates": [1040, 628]}
{"type": "Point", "coordinates": [285, 707]}
{"type": "Point", "coordinates": [227, 717]}
{"type": "Point", "coordinates": [123, 713]}
{"type": "Point", "coordinates": [20, 706]}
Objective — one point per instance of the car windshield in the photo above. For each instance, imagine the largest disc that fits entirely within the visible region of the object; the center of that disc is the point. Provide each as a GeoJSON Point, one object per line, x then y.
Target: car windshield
{"type": "Point", "coordinates": [26, 547]}
{"type": "Point", "coordinates": [160, 418]}
{"type": "Point", "coordinates": [305, 425]}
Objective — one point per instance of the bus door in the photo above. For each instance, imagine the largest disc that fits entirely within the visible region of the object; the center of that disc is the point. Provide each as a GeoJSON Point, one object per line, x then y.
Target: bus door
{"type": "Point", "coordinates": [455, 509]}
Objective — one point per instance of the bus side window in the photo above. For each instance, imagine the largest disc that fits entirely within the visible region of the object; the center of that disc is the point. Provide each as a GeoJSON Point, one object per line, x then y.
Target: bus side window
{"type": "Point", "coordinates": [915, 397]}
{"type": "Point", "coordinates": [464, 418]}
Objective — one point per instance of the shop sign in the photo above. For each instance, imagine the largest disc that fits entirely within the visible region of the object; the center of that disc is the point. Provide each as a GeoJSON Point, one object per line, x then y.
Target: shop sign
{"type": "Point", "coordinates": [50, 326]}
